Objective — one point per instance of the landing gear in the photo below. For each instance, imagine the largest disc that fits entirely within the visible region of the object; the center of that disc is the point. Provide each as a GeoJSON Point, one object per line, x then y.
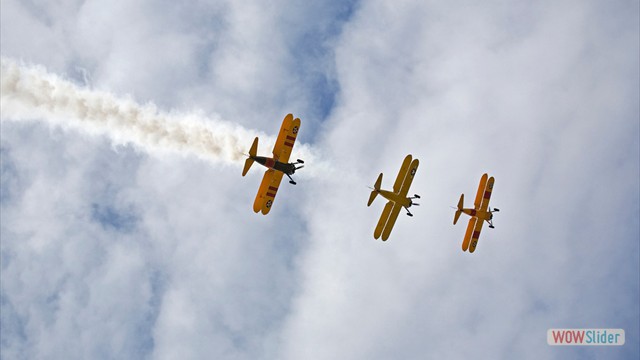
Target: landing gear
{"type": "Point", "coordinates": [290, 169]}
{"type": "Point", "coordinates": [490, 221]}
{"type": "Point", "coordinates": [294, 167]}
{"type": "Point", "coordinates": [408, 212]}
{"type": "Point", "coordinates": [411, 203]}
{"type": "Point", "coordinates": [290, 179]}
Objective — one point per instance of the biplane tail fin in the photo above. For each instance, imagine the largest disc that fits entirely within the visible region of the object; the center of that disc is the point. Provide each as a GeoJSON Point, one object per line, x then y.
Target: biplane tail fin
{"type": "Point", "coordinates": [252, 153]}
{"type": "Point", "coordinates": [376, 190]}
{"type": "Point", "coordinates": [459, 210]}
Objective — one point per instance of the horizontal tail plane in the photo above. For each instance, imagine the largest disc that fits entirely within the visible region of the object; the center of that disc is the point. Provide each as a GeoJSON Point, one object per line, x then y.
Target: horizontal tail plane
{"type": "Point", "coordinates": [252, 153]}
{"type": "Point", "coordinates": [459, 210]}
{"type": "Point", "coordinates": [376, 190]}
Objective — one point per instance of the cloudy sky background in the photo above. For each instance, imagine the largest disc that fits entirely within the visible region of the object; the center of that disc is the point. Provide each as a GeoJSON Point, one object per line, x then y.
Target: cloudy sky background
{"type": "Point", "coordinates": [112, 251]}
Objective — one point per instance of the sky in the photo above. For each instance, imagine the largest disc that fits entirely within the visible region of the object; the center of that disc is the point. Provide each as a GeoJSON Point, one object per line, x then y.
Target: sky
{"type": "Point", "coordinates": [117, 244]}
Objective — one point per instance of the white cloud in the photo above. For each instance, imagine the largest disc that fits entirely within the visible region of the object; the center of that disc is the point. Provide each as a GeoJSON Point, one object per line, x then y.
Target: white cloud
{"type": "Point", "coordinates": [539, 112]}
{"type": "Point", "coordinates": [109, 252]}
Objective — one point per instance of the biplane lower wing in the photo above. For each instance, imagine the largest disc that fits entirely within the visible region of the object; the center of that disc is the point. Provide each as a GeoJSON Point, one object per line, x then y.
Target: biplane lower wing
{"type": "Point", "coordinates": [481, 187]}
{"type": "Point", "coordinates": [383, 219]}
{"type": "Point", "coordinates": [402, 174]}
{"type": "Point", "coordinates": [286, 138]}
{"type": "Point", "coordinates": [487, 194]}
{"type": "Point", "coordinates": [267, 191]}
{"type": "Point", "coordinates": [469, 233]}
{"type": "Point", "coordinates": [475, 236]}
{"type": "Point", "coordinates": [391, 222]}
{"type": "Point", "coordinates": [409, 177]}
{"type": "Point", "coordinates": [277, 147]}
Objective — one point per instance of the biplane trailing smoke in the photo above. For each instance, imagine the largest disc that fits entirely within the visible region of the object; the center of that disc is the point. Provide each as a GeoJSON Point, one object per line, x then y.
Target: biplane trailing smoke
{"type": "Point", "coordinates": [479, 214]}
{"type": "Point", "coordinates": [397, 198]}
{"type": "Point", "coordinates": [277, 166]}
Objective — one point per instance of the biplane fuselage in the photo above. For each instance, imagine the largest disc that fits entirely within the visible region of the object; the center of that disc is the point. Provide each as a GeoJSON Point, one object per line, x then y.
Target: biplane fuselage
{"type": "Point", "coordinates": [274, 164]}
{"type": "Point", "coordinates": [396, 198]}
{"type": "Point", "coordinates": [481, 215]}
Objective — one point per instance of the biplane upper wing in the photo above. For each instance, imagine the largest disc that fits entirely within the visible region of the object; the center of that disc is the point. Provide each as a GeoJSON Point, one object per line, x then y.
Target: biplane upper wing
{"type": "Point", "coordinates": [383, 219]}
{"type": "Point", "coordinates": [475, 236]}
{"type": "Point", "coordinates": [286, 138]}
{"type": "Point", "coordinates": [402, 174]}
{"type": "Point", "coordinates": [480, 193]}
{"type": "Point", "coordinates": [392, 221]}
{"type": "Point", "coordinates": [487, 194]}
{"type": "Point", "coordinates": [267, 191]}
{"type": "Point", "coordinates": [409, 177]}
{"type": "Point", "coordinates": [469, 233]}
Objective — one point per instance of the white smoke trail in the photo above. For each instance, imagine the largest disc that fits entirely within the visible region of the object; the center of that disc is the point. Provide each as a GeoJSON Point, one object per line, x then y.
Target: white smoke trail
{"type": "Point", "coordinates": [30, 93]}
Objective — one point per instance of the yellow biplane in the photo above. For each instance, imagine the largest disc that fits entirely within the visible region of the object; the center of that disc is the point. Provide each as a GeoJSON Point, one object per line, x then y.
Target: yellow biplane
{"type": "Point", "coordinates": [397, 198]}
{"type": "Point", "coordinates": [479, 214]}
{"type": "Point", "coordinates": [277, 165]}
